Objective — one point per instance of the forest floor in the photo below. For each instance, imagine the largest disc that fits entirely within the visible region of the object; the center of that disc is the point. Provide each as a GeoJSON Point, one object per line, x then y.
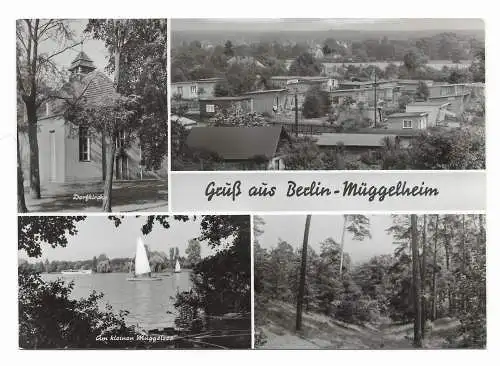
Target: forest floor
{"type": "Point", "coordinates": [275, 323]}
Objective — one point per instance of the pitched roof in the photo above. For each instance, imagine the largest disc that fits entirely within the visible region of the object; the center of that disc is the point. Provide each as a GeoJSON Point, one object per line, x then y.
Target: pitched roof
{"type": "Point", "coordinates": [352, 139]}
{"type": "Point", "coordinates": [436, 103]}
{"type": "Point", "coordinates": [93, 87]}
{"type": "Point", "coordinates": [236, 143]}
{"type": "Point", "coordinates": [266, 91]}
{"type": "Point", "coordinates": [408, 114]}
{"type": "Point", "coordinates": [82, 60]}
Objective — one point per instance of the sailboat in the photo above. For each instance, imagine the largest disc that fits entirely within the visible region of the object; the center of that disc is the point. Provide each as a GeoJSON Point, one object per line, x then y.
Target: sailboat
{"type": "Point", "coordinates": [177, 266]}
{"type": "Point", "coordinates": [142, 269]}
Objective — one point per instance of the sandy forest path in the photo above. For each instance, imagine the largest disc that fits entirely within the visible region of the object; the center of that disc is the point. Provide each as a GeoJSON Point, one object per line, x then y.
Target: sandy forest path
{"type": "Point", "coordinates": [275, 323]}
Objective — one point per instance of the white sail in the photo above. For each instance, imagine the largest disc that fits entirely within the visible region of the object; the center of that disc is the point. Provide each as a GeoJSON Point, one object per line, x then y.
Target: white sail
{"type": "Point", "coordinates": [177, 266]}
{"type": "Point", "coordinates": [141, 259]}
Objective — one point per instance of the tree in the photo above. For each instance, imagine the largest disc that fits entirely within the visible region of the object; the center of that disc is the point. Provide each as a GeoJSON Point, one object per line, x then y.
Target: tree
{"type": "Point", "coordinates": [359, 227]}
{"type": "Point", "coordinates": [37, 77]}
{"type": "Point", "coordinates": [34, 230]}
{"type": "Point", "coordinates": [115, 116]}
{"type": "Point", "coordinates": [422, 91]}
{"type": "Point", "coordinates": [300, 295]}
{"type": "Point", "coordinates": [143, 72]}
{"type": "Point", "coordinates": [417, 328]}
{"type": "Point", "coordinates": [228, 49]}
{"type": "Point", "coordinates": [413, 60]}
{"type": "Point", "coordinates": [305, 65]}
{"type": "Point", "coordinates": [193, 252]}
{"type": "Point", "coordinates": [316, 103]}
{"type": "Point", "coordinates": [94, 264]}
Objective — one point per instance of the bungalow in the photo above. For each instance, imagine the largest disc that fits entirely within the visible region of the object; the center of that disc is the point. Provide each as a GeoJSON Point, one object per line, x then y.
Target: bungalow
{"type": "Point", "coordinates": [242, 148]}
{"type": "Point", "coordinates": [354, 144]}
{"type": "Point", "coordinates": [268, 101]}
{"type": "Point", "coordinates": [208, 106]}
{"type": "Point", "coordinates": [437, 111]}
{"type": "Point", "coordinates": [408, 120]}
{"type": "Point", "coordinates": [360, 141]}
{"type": "Point", "coordinates": [194, 89]}
{"type": "Point", "coordinates": [410, 86]}
{"type": "Point", "coordinates": [73, 154]}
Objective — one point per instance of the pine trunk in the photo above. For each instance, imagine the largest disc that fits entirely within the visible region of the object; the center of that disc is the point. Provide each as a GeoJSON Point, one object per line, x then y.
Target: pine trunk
{"type": "Point", "coordinates": [434, 270]}
{"type": "Point", "coordinates": [423, 274]}
{"type": "Point", "coordinates": [417, 325]}
{"type": "Point", "coordinates": [302, 283]}
{"type": "Point", "coordinates": [342, 247]}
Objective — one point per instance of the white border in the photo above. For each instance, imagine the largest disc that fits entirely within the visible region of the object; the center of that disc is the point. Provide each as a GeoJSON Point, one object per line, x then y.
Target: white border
{"type": "Point", "coordinates": [255, 8]}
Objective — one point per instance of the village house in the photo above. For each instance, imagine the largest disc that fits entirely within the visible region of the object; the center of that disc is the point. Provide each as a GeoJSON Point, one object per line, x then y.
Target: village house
{"type": "Point", "coordinates": [242, 148]}
{"type": "Point", "coordinates": [407, 120]}
{"type": "Point", "coordinates": [365, 140]}
{"type": "Point", "coordinates": [410, 86]}
{"type": "Point", "coordinates": [194, 89]}
{"type": "Point", "coordinates": [73, 154]}
{"type": "Point", "coordinates": [458, 95]}
{"type": "Point", "coordinates": [436, 110]}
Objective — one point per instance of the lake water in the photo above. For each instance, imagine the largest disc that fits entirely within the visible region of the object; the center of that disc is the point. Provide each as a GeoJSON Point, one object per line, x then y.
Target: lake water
{"type": "Point", "coordinates": [147, 301]}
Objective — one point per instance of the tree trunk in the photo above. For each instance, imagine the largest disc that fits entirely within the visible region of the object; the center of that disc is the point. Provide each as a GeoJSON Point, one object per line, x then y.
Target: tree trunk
{"type": "Point", "coordinates": [108, 183]}
{"type": "Point", "coordinates": [21, 204]}
{"type": "Point", "coordinates": [462, 265]}
{"type": "Point", "coordinates": [33, 143]}
{"type": "Point", "coordinates": [342, 247]}
{"type": "Point", "coordinates": [302, 283]}
{"type": "Point", "coordinates": [447, 257]}
{"type": "Point", "coordinates": [103, 154]}
{"type": "Point", "coordinates": [417, 324]}
{"type": "Point", "coordinates": [423, 274]}
{"type": "Point", "coordinates": [434, 269]}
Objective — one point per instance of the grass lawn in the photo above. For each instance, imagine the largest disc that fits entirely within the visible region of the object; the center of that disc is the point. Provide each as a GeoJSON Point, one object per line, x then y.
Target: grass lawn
{"type": "Point", "coordinates": [127, 196]}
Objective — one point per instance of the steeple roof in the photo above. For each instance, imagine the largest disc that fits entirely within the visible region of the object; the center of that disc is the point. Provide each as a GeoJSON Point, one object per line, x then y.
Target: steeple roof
{"type": "Point", "coordinates": [83, 61]}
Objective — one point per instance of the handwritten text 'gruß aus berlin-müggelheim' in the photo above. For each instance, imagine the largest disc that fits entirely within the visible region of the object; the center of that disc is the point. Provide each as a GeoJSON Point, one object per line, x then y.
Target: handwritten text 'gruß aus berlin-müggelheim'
{"type": "Point", "coordinates": [233, 190]}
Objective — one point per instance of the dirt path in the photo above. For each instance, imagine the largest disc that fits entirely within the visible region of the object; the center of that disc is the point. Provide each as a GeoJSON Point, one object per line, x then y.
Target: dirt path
{"type": "Point", "coordinates": [275, 323]}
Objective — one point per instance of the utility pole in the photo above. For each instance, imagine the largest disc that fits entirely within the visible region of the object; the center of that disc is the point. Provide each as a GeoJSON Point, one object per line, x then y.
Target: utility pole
{"type": "Point", "coordinates": [302, 283]}
{"type": "Point", "coordinates": [296, 115]}
{"type": "Point", "coordinates": [375, 99]}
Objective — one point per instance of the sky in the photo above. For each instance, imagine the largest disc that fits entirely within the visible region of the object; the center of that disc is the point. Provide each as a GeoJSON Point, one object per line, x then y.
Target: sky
{"type": "Point", "coordinates": [98, 234]}
{"type": "Point", "coordinates": [291, 229]}
{"type": "Point", "coordinates": [290, 24]}
{"type": "Point", "coordinates": [95, 49]}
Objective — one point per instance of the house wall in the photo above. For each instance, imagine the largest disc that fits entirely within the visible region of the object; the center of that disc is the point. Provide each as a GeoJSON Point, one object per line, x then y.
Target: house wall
{"type": "Point", "coordinates": [201, 90]}
{"type": "Point", "coordinates": [458, 103]}
{"type": "Point", "coordinates": [435, 113]}
{"type": "Point", "coordinates": [51, 158]}
{"type": "Point", "coordinates": [81, 171]}
{"type": "Point", "coordinates": [263, 103]}
{"type": "Point", "coordinates": [396, 123]}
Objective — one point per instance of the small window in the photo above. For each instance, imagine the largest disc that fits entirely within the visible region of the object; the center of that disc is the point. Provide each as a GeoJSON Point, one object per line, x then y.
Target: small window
{"type": "Point", "coordinates": [179, 90]}
{"type": "Point", "coordinates": [210, 108]}
{"type": "Point", "coordinates": [84, 143]}
{"type": "Point", "coordinates": [407, 123]}
{"type": "Point", "coordinates": [193, 89]}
